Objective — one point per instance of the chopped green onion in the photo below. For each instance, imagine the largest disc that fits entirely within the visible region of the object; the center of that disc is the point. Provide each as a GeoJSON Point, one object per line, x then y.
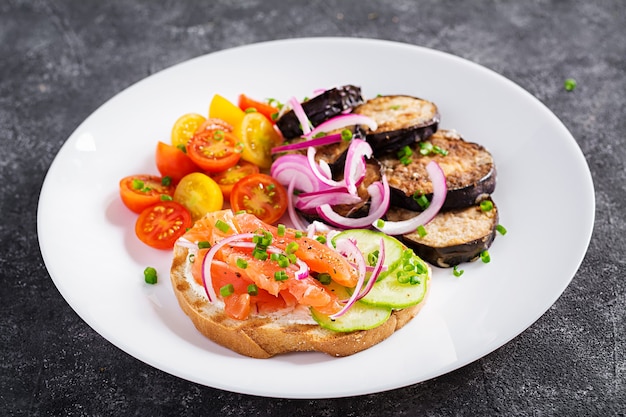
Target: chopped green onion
{"type": "Point", "coordinates": [346, 135]}
{"type": "Point", "coordinates": [218, 135]}
{"type": "Point", "coordinates": [421, 230]}
{"type": "Point", "coordinates": [405, 160]}
{"type": "Point", "coordinates": [192, 258]}
{"type": "Point", "coordinates": [415, 279]}
{"type": "Point", "coordinates": [150, 275]}
{"type": "Point", "coordinates": [222, 226]}
{"type": "Point", "coordinates": [227, 290]}
{"type": "Point", "coordinates": [486, 205]}
{"type": "Point", "coordinates": [372, 257]}
{"type": "Point", "coordinates": [137, 184]}
{"type": "Point", "coordinates": [292, 258]}
{"type": "Point", "coordinates": [324, 278]}
{"type": "Point", "coordinates": [396, 107]}
{"type": "Point", "coordinates": [253, 289]}
{"type": "Point", "coordinates": [250, 110]}
{"type": "Point", "coordinates": [501, 229]}
{"type": "Point", "coordinates": [280, 275]}
{"type": "Point", "coordinates": [426, 148]}
{"type": "Point", "coordinates": [457, 272]}
{"type": "Point", "coordinates": [298, 234]}
{"type": "Point", "coordinates": [281, 230]}
{"type": "Point", "coordinates": [484, 256]}
{"type": "Point", "coordinates": [275, 256]}
{"type": "Point", "coordinates": [182, 148]}
{"type": "Point", "coordinates": [275, 116]}
{"type": "Point", "coordinates": [165, 197]}
{"type": "Point", "coordinates": [204, 244]}
{"type": "Point", "coordinates": [321, 239]}
{"type": "Point", "coordinates": [242, 263]}
{"type": "Point", "coordinates": [421, 200]}
{"type": "Point", "coordinates": [380, 223]}
{"type": "Point", "coordinates": [283, 261]}
{"type": "Point", "coordinates": [403, 277]}
{"type": "Point", "coordinates": [570, 84]}
{"type": "Point", "coordinates": [440, 151]}
{"type": "Point", "coordinates": [405, 151]}
{"type": "Point", "coordinates": [292, 247]}
{"type": "Point", "coordinates": [166, 181]}
{"type": "Point", "coordinates": [260, 254]}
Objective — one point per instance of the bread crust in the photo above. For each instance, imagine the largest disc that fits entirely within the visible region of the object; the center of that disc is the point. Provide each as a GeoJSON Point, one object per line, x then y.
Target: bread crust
{"type": "Point", "coordinates": [263, 338]}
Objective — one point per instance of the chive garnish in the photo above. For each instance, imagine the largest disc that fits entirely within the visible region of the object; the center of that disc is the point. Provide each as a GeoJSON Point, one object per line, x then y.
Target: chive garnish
{"type": "Point", "coordinates": [150, 275]}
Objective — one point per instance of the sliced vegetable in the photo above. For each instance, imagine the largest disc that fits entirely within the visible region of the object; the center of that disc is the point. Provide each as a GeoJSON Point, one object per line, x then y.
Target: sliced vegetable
{"type": "Point", "coordinates": [200, 194]}
{"type": "Point", "coordinates": [173, 162]}
{"type": "Point", "coordinates": [227, 179]}
{"type": "Point", "coordinates": [214, 150]}
{"type": "Point", "coordinates": [185, 127]}
{"type": "Point", "coordinates": [246, 103]}
{"type": "Point", "coordinates": [261, 195]}
{"type": "Point", "coordinates": [139, 192]}
{"type": "Point", "coordinates": [258, 137]}
{"type": "Point", "coordinates": [161, 224]}
{"type": "Point", "coordinates": [221, 108]}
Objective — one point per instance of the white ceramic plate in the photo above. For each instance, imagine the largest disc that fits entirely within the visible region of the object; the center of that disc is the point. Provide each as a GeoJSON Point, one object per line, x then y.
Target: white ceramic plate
{"type": "Point", "coordinates": [97, 263]}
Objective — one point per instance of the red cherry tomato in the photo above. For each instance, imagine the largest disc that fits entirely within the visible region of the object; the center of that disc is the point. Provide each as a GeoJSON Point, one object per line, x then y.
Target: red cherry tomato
{"type": "Point", "coordinates": [161, 224]}
{"type": "Point", "coordinates": [173, 162]}
{"type": "Point", "coordinates": [214, 150]}
{"type": "Point", "coordinates": [246, 103]}
{"type": "Point", "coordinates": [261, 195]}
{"type": "Point", "coordinates": [141, 191]}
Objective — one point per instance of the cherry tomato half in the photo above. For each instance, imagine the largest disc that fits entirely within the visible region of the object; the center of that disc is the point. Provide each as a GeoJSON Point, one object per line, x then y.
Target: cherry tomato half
{"type": "Point", "coordinates": [258, 137]}
{"type": "Point", "coordinates": [227, 179]}
{"type": "Point", "coordinates": [185, 127]}
{"type": "Point", "coordinates": [245, 103]}
{"type": "Point", "coordinates": [173, 162]}
{"type": "Point", "coordinates": [161, 224]}
{"type": "Point", "coordinates": [214, 150]}
{"type": "Point", "coordinates": [261, 195]}
{"type": "Point", "coordinates": [213, 123]}
{"type": "Point", "coordinates": [141, 191]}
{"type": "Point", "coordinates": [200, 194]}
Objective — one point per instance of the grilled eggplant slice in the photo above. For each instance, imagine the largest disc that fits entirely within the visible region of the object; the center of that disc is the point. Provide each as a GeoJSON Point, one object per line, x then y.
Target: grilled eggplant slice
{"type": "Point", "coordinates": [453, 236]}
{"type": "Point", "coordinates": [402, 120]}
{"type": "Point", "coordinates": [469, 168]}
{"type": "Point", "coordinates": [322, 107]}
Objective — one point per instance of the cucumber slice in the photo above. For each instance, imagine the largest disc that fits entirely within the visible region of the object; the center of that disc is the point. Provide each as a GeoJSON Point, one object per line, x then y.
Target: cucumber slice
{"type": "Point", "coordinates": [388, 292]}
{"type": "Point", "coordinates": [359, 317]}
{"type": "Point", "coordinates": [368, 241]}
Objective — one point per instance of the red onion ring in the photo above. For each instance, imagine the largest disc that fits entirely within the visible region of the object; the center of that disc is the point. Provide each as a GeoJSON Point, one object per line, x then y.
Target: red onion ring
{"type": "Point", "coordinates": [349, 249]}
{"type": "Point", "coordinates": [326, 140]}
{"type": "Point", "coordinates": [380, 196]}
{"type": "Point", "coordinates": [291, 210]}
{"type": "Point", "coordinates": [440, 189]}
{"type": "Point", "coordinates": [354, 168]}
{"type": "Point", "coordinates": [301, 115]}
{"type": "Point", "coordinates": [343, 120]}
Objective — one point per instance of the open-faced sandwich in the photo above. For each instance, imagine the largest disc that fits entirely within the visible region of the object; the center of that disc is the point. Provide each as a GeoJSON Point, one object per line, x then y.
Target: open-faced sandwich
{"type": "Point", "coordinates": [262, 290]}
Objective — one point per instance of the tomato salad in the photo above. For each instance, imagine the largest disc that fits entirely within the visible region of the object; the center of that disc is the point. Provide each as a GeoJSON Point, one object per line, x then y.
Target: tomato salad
{"type": "Point", "coordinates": [210, 162]}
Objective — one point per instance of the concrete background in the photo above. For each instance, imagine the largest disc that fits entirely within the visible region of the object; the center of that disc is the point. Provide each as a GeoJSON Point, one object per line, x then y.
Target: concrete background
{"type": "Point", "coordinates": [60, 60]}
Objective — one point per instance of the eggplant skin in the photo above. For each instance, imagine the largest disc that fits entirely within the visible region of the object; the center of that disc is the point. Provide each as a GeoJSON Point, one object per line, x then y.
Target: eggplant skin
{"type": "Point", "coordinates": [402, 120]}
{"type": "Point", "coordinates": [453, 236]}
{"type": "Point", "coordinates": [469, 169]}
{"type": "Point", "coordinates": [320, 108]}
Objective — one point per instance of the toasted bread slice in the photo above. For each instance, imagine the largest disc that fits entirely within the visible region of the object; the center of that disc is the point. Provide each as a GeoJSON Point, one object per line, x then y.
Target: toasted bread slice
{"type": "Point", "coordinates": [264, 337]}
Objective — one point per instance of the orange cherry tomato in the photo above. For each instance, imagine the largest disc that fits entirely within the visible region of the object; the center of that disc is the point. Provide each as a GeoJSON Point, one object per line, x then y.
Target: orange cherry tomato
{"type": "Point", "coordinates": [173, 162]}
{"type": "Point", "coordinates": [141, 191]}
{"type": "Point", "coordinates": [214, 150]}
{"type": "Point", "coordinates": [161, 224]}
{"type": "Point", "coordinates": [245, 103]}
{"type": "Point", "coordinates": [227, 179]}
{"type": "Point", "coordinates": [261, 195]}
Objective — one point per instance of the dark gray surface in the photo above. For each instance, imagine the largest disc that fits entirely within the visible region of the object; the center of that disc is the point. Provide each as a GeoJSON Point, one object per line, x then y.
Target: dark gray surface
{"type": "Point", "coordinates": [60, 60]}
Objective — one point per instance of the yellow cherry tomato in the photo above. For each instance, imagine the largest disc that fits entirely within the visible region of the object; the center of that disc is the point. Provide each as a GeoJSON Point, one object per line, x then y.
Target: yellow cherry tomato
{"type": "Point", "coordinates": [221, 108]}
{"type": "Point", "coordinates": [200, 194]}
{"type": "Point", "coordinates": [185, 127]}
{"type": "Point", "coordinates": [258, 137]}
